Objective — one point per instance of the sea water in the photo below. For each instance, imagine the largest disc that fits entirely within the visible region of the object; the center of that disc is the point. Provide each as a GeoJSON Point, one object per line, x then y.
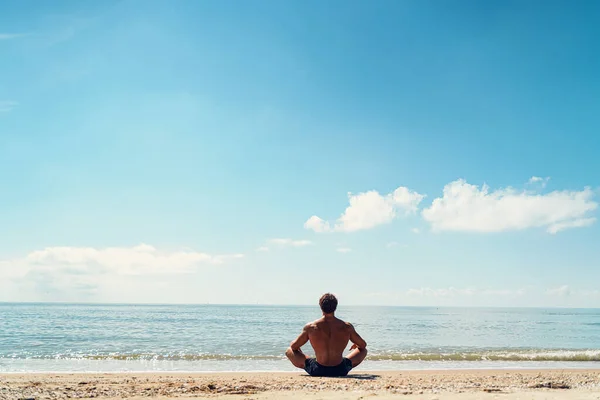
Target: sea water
{"type": "Point", "coordinates": [84, 337]}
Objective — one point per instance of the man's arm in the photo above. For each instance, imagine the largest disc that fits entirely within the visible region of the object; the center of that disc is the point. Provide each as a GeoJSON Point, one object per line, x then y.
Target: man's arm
{"type": "Point", "coordinates": [296, 356]}
{"type": "Point", "coordinates": [300, 340]}
{"type": "Point", "coordinates": [359, 343]}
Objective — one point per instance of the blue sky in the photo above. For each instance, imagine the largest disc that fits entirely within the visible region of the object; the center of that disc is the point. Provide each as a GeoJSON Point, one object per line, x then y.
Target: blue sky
{"type": "Point", "coordinates": [407, 153]}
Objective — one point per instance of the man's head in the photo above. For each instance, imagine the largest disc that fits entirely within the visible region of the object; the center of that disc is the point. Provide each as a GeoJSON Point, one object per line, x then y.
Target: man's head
{"type": "Point", "coordinates": [328, 303]}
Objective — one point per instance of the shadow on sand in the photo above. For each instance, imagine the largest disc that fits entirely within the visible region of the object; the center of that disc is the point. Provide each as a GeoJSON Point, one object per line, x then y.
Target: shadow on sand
{"type": "Point", "coordinates": [363, 377]}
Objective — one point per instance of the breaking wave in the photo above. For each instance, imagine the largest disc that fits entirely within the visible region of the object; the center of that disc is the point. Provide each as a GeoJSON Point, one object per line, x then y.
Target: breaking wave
{"type": "Point", "coordinates": [493, 355]}
{"type": "Point", "coordinates": [534, 355]}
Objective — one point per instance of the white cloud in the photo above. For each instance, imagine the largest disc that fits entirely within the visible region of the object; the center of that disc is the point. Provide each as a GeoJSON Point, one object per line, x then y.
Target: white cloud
{"type": "Point", "coordinates": [290, 242]}
{"type": "Point", "coordinates": [466, 207]}
{"type": "Point", "coordinates": [317, 224]}
{"type": "Point", "coordinates": [452, 292]}
{"type": "Point", "coordinates": [343, 250]}
{"type": "Point", "coordinates": [137, 260]}
{"type": "Point", "coordinates": [562, 291]}
{"type": "Point", "coordinates": [283, 242]}
{"type": "Point", "coordinates": [439, 292]}
{"type": "Point", "coordinates": [396, 244]}
{"type": "Point", "coordinates": [536, 180]}
{"type": "Point", "coordinates": [577, 223]}
{"type": "Point", "coordinates": [415, 231]}
{"type": "Point", "coordinates": [503, 292]}
{"type": "Point", "coordinates": [368, 210]}
{"type": "Point", "coordinates": [528, 296]}
{"type": "Point", "coordinates": [8, 36]}
{"type": "Point", "coordinates": [77, 272]}
{"type": "Point", "coordinates": [6, 106]}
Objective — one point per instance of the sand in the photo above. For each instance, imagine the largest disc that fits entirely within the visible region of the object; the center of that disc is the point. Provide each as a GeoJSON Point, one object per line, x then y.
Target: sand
{"type": "Point", "coordinates": [442, 385]}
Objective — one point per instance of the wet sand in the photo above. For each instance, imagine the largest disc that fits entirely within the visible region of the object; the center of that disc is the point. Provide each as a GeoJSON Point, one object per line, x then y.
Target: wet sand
{"type": "Point", "coordinates": [447, 384]}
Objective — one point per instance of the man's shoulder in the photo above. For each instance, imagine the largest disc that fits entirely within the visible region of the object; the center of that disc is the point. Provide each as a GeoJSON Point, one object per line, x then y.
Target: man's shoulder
{"type": "Point", "coordinates": [315, 324]}
{"type": "Point", "coordinates": [311, 325]}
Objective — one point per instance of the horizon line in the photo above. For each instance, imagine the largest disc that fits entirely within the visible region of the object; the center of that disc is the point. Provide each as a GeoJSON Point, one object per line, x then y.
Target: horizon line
{"type": "Point", "coordinates": [82, 303]}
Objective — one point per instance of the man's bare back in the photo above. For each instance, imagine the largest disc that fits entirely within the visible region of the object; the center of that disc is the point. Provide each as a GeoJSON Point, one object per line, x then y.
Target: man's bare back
{"type": "Point", "coordinates": [329, 337]}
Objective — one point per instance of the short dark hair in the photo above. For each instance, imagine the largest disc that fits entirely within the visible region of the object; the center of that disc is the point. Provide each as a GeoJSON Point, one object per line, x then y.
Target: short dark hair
{"type": "Point", "coordinates": [328, 303]}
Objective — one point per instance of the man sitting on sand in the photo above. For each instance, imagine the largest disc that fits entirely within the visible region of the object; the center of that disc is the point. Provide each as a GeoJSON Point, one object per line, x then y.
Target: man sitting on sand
{"type": "Point", "coordinates": [329, 337]}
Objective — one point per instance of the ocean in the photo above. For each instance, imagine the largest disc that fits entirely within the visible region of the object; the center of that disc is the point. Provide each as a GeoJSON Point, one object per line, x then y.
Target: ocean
{"type": "Point", "coordinates": [111, 338]}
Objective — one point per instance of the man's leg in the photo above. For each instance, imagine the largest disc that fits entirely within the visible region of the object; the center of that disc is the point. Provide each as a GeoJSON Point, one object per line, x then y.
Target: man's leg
{"type": "Point", "coordinates": [298, 358]}
{"type": "Point", "coordinates": [357, 356]}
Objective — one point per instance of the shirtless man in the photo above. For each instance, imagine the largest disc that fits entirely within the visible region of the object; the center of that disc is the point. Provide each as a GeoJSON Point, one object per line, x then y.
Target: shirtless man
{"type": "Point", "coordinates": [329, 337]}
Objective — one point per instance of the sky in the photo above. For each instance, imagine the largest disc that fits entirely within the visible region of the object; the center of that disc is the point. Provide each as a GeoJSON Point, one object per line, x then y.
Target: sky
{"type": "Point", "coordinates": [425, 153]}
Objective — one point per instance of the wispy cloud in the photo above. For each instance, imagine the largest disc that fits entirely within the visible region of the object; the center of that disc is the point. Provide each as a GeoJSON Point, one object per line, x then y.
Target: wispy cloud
{"type": "Point", "coordinates": [137, 260]}
{"type": "Point", "coordinates": [9, 36]}
{"type": "Point", "coordinates": [283, 242]}
{"type": "Point", "coordinates": [7, 106]}
{"type": "Point", "coordinates": [562, 291]}
{"type": "Point", "coordinates": [440, 292]}
{"type": "Point", "coordinates": [530, 295]}
{"type": "Point", "coordinates": [536, 180]}
{"type": "Point", "coordinates": [416, 231]}
{"type": "Point", "coordinates": [289, 242]}
{"type": "Point", "coordinates": [368, 210]}
{"type": "Point", "coordinates": [79, 270]}
{"type": "Point", "coordinates": [343, 250]}
{"type": "Point", "coordinates": [391, 245]}
{"type": "Point", "coordinates": [466, 207]}
{"type": "Point", "coordinates": [457, 292]}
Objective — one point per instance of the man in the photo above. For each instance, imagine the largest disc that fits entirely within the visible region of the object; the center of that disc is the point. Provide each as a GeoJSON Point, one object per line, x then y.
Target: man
{"type": "Point", "coordinates": [329, 337]}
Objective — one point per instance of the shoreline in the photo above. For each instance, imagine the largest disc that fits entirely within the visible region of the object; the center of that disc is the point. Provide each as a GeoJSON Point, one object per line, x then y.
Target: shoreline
{"type": "Point", "coordinates": [74, 366]}
{"type": "Point", "coordinates": [298, 371]}
{"type": "Point", "coordinates": [443, 384]}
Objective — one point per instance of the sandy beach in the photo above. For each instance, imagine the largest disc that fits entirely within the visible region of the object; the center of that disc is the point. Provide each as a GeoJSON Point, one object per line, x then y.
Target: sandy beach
{"type": "Point", "coordinates": [455, 384]}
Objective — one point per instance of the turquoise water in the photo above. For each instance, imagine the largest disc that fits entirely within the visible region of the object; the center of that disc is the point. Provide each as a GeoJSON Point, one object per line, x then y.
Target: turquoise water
{"type": "Point", "coordinates": [71, 337]}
